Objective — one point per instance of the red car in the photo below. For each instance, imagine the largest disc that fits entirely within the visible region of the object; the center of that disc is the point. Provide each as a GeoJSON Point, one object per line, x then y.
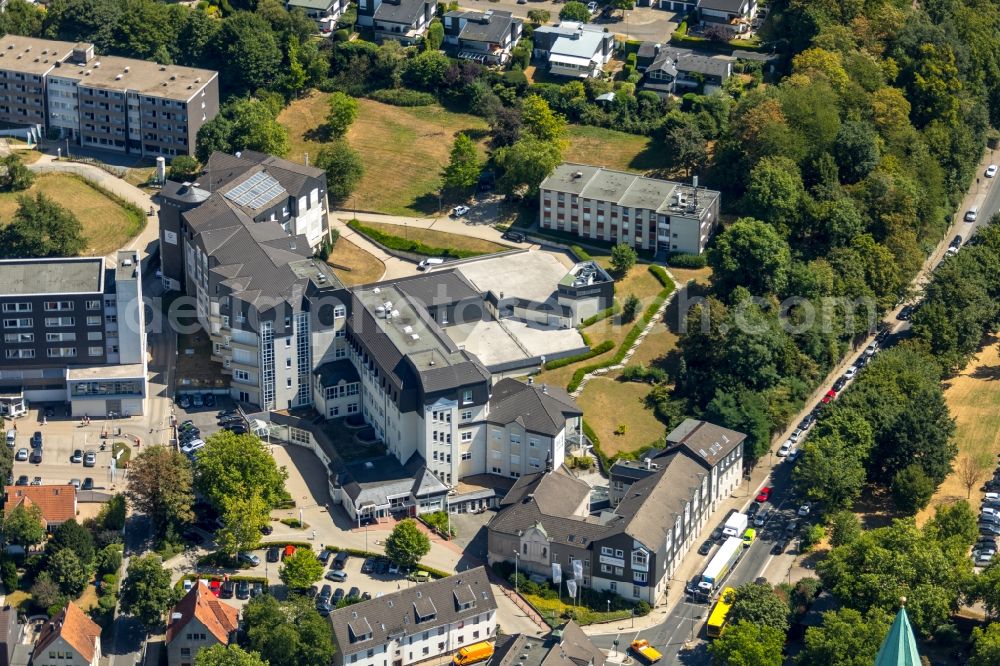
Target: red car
{"type": "Point", "coordinates": [831, 394]}
{"type": "Point", "coordinates": [216, 587]}
{"type": "Point", "coordinates": [764, 495]}
{"type": "Point", "coordinates": [289, 551]}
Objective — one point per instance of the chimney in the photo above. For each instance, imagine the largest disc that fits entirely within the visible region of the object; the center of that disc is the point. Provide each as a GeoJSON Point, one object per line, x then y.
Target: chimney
{"type": "Point", "coordinates": [545, 389]}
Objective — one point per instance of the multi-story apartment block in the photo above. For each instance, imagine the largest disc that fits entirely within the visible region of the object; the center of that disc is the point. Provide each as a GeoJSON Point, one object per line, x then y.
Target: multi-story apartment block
{"type": "Point", "coordinates": [106, 102]}
{"type": "Point", "coordinates": [73, 331]}
{"type": "Point", "coordinates": [633, 548]}
{"type": "Point", "coordinates": [614, 206]}
{"type": "Point", "coordinates": [416, 624]}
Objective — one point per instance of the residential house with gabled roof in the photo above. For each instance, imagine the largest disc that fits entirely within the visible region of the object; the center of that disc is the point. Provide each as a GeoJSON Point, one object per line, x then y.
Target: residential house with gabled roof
{"type": "Point", "coordinates": [404, 21]}
{"type": "Point", "coordinates": [11, 633]}
{"type": "Point", "coordinates": [564, 646]}
{"type": "Point", "coordinates": [58, 502]}
{"type": "Point", "coordinates": [487, 36]}
{"type": "Point", "coordinates": [199, 620]}
{"type": "Point", "coordinates": [734, 15]}
{"type": "Point", "coordinates": [658, 507]}
{"type": "Point", "coordinates": [69, 639]}
{"type": "Point", "coordinates": [324, 12]}
{"type": "Point", "coordinates": [417, 623]}
{"type": "Point", "coordinates": [676, 71]}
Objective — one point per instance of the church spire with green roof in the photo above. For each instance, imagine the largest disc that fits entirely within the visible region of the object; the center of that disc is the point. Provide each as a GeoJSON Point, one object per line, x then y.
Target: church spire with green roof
{"type": "Point", "coordinates": [900, 645]}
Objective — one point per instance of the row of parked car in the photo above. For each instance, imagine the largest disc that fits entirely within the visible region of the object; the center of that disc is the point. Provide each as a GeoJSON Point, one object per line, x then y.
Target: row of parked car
{"type": "Point", "coordinates": [989, 523]}
{"type": "Point", "coordinates": [196, 400]}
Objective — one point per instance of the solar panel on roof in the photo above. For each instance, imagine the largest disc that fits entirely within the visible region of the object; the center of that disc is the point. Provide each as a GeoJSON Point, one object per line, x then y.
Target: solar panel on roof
{"type": "Point", "coordinates": [255, 191]}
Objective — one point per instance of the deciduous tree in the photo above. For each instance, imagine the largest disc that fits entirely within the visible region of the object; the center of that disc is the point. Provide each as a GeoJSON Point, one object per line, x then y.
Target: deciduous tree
{"type": "Point", "coordinates": [23, 525]}
{"type": "Point", "coordinates": [242, 518]}
{"type": "Point", "coordinates": [540, 120]}
{"type": "Point", "coordinates": [623, 258]}
{"type": "Point", "coordinates": [14, 175]}
{"type": "Point", "coordinates": [301, 569]}
{"type": "Point", "coordinates": [758, 604]}
{"type": "Point", "coordinates": [574, 11]}
{"type": "Point", "coordinates": [526, 164]}
{"type": "Point", "coordinates": [912, 489]}
{"type": "Point", "coordinates": [227, 655]}
{"type": "Point", "coordinates": [68, 572]}
{"type": "Point", "coordinates": [463, 167]}
{"type": "Point", "coordinates": [343, 111]}
{"type": "Point", "coordinates": [75, 537]}
{"type": "Point", "coordinates": [160, 485]}
{"type": "Point", "coordinates": [748, 644]}
{"type": "Point", "coordinates": [41, 228]}
{"type": "Point", "coordinates": [407, 544]}
{"type": "Point", "coordinates": [846, 638]}
{"type": "Point", "coordinates": [751, 254]}
{"type": "Point", "coordinates": [343, 167]}
{"type": "Point", "coordinates": [147, 593]}
{"type": "Point", "coordinates": [289, 633]}
{"type": "Point", "coordinates": [238, 466]}
{"type": "Point", "coordinates": [985, 646]}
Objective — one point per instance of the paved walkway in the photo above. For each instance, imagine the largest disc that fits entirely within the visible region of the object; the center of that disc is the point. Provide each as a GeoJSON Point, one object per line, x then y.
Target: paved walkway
{"type": "Point", "coordinates": [127, 191]}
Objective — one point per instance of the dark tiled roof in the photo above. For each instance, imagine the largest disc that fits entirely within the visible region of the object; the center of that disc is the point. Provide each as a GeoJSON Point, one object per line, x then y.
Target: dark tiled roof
{"type": "Point", "coordinates": [492, 26]}
{"type": "Point", "coordinates": [10, 634]}
{"type": "Point", "coordinates": [704, 441]}
{"type": "Point", "coordinates": [438, 288]}
{"type": "Point", "coordinates": [219, 618]}
{"type": "Point", "coordinates": [370, 623]}
{"type": "Point", "coordinates": [400, 11]}
{"type": "Point", "coordinates": [545, 499]}
{"type": "Point", "coordinates": [647, 50]}
{"type": "Point", "coordinates": [334, 372]}
{"type": "Point", "coordinates": [538, 408]}
{"type": "Point", "coordinates": [371, 482]}
{"type": "Point", "coordinates": [732, 6]}
{"type": "Point", "coordinates": [555, 494]}
{"type": "Point", "coordinates": [672, 60]}
{"type": "Point", "coordinates": [648, 506]}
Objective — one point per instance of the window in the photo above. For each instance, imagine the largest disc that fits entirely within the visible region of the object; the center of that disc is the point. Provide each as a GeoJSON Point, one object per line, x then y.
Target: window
{"type": "Point", "coordinates": [535, 462]}
{"type": "Point", "coordinates": [94, 351]}
{"type": "Point", "coordinates": [93, 321]}
{"type": "Point", "coordinates": [60, 337]}
{"type": "Point", "coordinates": [466, 397]}
{"type": "Point", "coordinates": [339, 312]}
{"type": "Point", "coordinates": [288, 361]}
{"type": "Point", "coordinates": [515, 459]}
{"type": "Point", "coordinates": [352, 408]}
{"type": "Point", "coordinates": [493, 470]}
{"type": "Point", "coordinates": [606, 568]}
{"type": "Point", "coordinates": [185, 652]}
{"type": "Point", "coordinates": [95, 336]}
{"type": "Point", "coordinates": [58, 306]}
{"type": "Point", "coordinates": [515, 439]}
{"type": "Point", "coordinates": [342, 333]}
{"type": "Point", "coordinates": [467, 436]}
{"type": "Point", "coordinates": [639, 576]}
{"type": "Point", "coordinates": [56, 322]}
{"type": "Point", "coordinates": [354, 658]}
{"type": "Point", "coordinates": [467, 455]}
{"type": "Point", "coordinates": [61, 352]}
{"type": "Point", "coordinates": [340, 352]}
{"type": "Point", "coordinates": [532, 442]}
{"type": "Point", "coordinates": [613, 586]}
{"type": "Point", "coordinates": [607, 551]}
{"type": "Point", "coordinates": [17, 323]}
{"type": "Point", "coordinates": [497, 433]}
{"type": "Point", "coordinates": [241, 375]}
{"type": "Point", "coordinates": [17, 307]}
{"type": "Point", "coordinates": [636, 591]}
{"type": "Point", "coordinates": [19, 337]}
{"type": "Point", "coordinates": [619, 571]}
{"type": "Point", "coordinates": [20, 353]}
{"type": "Point", "coordinates": [619, 553]}
{"type": "Point", "coordinates": [466, 415]}
{"type": "Point", "coordinates": [524, 549]}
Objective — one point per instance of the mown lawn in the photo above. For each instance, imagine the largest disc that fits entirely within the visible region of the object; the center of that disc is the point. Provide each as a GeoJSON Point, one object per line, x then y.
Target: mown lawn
{"type": "Point", "coordinates": [363, 267]}
{"type": "Point", "coordinates": [439, 239]}
{"type": "Point", "coordinates": [609, 403]}
{"type": "Point", "coordinates": [405, 148]}
{"type": "Point", "coordinates": [106, 225]}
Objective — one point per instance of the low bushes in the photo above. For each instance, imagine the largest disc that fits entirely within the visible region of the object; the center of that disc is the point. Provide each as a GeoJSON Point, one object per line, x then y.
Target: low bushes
{"type": "Point", "coordinates": [403, 97]}
{"type": "Point", "coordinates": [681, 260]}
{"type": "Point", "coordinates": [660, 273]}
{"type": "Point", "coordinates": [438, 521]}
{"type": "Point", "coordinates": [640, 373]}
{"type": "Point", "coordinates": [281, 543]}
{"type": "Point", "coordinates": [294, 523]}
{"type": "Point", "coordinates": [630, 338]}
{"type": "Point", "coordinates": [602, 348]}
{"type": "Point", "coordinates": [581, 254]}
{"type": "Point", "coordinates": [406, 245]}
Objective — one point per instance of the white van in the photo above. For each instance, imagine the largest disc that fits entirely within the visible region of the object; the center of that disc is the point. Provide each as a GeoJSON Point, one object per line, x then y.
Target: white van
{"type": "Point", "coordinates": [428, 264]}
{"type": "Point", "coordinates": [11, 437]}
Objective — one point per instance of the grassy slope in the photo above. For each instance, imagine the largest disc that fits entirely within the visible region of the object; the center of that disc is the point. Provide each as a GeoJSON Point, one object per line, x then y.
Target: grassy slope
{"type": "Point", "coordinates": [106, 226]}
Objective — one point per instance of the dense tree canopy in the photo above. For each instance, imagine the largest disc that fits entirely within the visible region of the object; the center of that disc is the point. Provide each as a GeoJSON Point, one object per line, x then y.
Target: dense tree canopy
{"type": "Point", "coordinates": [287, 633]}
{"type": "Point", "coordinates": [41, 228]}
{"type": "Point", "coordinates": [160, 486]}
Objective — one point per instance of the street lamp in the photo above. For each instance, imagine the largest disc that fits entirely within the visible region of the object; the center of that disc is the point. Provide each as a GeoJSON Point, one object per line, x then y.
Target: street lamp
{"type": "Point", "coordinates": [517, 559]}
{"type": "Point", "coordinates": [609, 606]}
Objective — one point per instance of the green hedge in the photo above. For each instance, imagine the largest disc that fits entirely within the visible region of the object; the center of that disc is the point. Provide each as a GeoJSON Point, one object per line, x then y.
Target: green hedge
{"type": "Point", "coordinates": [581, 254]}
{"type": "Point", "coordinates": [282, 543]}
{"type": "Point", "coordinates": [403, 97]}
{"type": "Point", "coordinates": [406, 245]}
{"type": "Point", "coordinates": [682, 260]}
{"type": "Point", "coordinates": [600, 316]}
{"type": "Point", "coordinates": [602, 348]}
{"type": "Point", "coordinates": [633, 334]}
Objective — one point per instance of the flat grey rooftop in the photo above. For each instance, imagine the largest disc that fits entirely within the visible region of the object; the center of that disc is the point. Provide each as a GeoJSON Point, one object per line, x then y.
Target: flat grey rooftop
{"type": "Point", "coordinates": [24, 277]}
{"type": "Point", "coordinates": [533, 276]}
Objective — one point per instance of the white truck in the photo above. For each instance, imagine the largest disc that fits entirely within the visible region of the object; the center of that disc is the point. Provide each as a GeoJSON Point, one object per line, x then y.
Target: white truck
{"type": "Point", "coordinates": [736, 525]}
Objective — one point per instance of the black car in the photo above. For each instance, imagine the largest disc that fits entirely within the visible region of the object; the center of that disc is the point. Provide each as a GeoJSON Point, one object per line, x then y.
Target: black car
{"type": "Point", "coordinates": [256, 589]}
{"type": "Point", "coordinates": [706, 547]}
{"type": "Point", "coordinates": [224, 413]}
{"type": "Point", "coordinates": [36, 457]}
{"type": "Point", "coordinates": [716, 535]}
{"type": "Point", "coordinates": [956, 241]}
{"type": "Point", "coordinates": [22, 480]}
{"type": "Point", "coordinates": [325, 556]}
{"type": "Point", "coordinates": [243, 590]}
{"type": "Point", "coordinates": [338, 596]}
{"type": "Point", "coordinates": [266, 529]}
{"type": "Point", "coordinates": [325, 592]}
{"type": "Point", "coordinates": [905, 313]}
{"type": "Point", "coordinates": [354, 593]}
{"type": "Point", "coordinates": [273, 554]}
{"type": "Point", "coordinates": [323, 607]}
{"type": "Point", "coordinates": [88, 484]}
{"type": "Point", "coordinates": [236, 428]}
{"type": "Point", "coordinates": [779, 547]}
{"type": "Point", "coordinates": [36, 440]}
{"type": "Point", "coordinates": [840, 384]}
{"type": "Point", "coordinates": [228, 590]}
{"type": "Point", "coordinates": [381, 566]}
{"type": "Point", "coordinates": [366, 596]}
{"type": "Point", "coordinates": [209, 400]}
{"type": "Point", "coordinates": [368, 565]}
{"type": "Point", "coordinates": [752, 510]}
{"type": "Point", "coordinates": [514, 236]}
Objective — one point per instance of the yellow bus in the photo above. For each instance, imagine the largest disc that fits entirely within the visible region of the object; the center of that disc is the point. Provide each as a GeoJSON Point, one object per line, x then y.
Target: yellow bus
{"type": "Point", "coordinates": [717, 620]}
